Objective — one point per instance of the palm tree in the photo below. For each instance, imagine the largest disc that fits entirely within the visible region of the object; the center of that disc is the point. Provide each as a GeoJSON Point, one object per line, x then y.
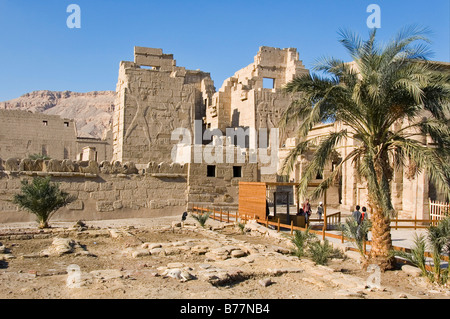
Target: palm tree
{"type": "Point", "coordinates": [386, 101]}
{"type": "Point", "coordinates": [42, 198]}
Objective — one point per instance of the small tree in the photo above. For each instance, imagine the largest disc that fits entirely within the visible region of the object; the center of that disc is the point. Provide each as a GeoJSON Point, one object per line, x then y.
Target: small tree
{"type": "Point", "coordinates": [321, 252]}
{"type": "Point", "coordinates": [201, 218]}
{"type": "Point", "coordinates": [357, 232]}
{"type": "Point", "coordinates": [417, 254]}
{"type": "Point", "coordinates": [439, 243]}
{"type": "Point", "coordinates": [42, 198]}
{"type": "Point", "coordinates": [439, 238]}
{"type": "Point", "coordinates": [300, 240]}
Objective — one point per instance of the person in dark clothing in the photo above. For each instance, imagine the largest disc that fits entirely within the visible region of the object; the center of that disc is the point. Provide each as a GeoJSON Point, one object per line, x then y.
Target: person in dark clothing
{"type": "Point", "coordinates": [307, 210]}
{"type": "Point", "coordinates": [357, 215]}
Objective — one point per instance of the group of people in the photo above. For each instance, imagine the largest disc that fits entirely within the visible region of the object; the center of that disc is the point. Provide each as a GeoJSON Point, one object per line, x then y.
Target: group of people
{"type": "Point", "coordinates": [359, 216]}
{"type": "Point", "coordinates": [306, 210]}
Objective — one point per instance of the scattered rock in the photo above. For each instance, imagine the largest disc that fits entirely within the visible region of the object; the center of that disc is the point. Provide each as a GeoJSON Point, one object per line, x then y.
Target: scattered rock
{"type": "Point", "coordinates": [150, 246]}
{"type": "Point", "coordinates": [411, 270]}
{"type": "Point", "coordinates": [80, 226]}
{"type": "Point", "coordinates": [180, 274]}
{"type": "Point", "coordinates": [265, 282]}
{"type": "Point", "coordinates": [237, 253]}
{"type": "Point", "coordinates": [157, 252]}
{"type": "Point", "coordinates": [61, 246]}
{"type": "Point", "coordinates": [140, 253]}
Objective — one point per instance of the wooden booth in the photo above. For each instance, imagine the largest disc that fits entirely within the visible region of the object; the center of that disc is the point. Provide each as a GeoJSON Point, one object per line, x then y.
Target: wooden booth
{"type": "Point", "coordinates": [272, 201]}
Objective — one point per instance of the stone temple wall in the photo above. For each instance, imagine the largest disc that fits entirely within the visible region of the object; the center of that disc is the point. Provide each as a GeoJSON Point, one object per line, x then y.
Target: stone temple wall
{"type": "Point", "coordinates": [112, 190]}
{"type": "Point", "coordinates": [155, 97]}
{"type": "Point", "coordinates": [102, 190]}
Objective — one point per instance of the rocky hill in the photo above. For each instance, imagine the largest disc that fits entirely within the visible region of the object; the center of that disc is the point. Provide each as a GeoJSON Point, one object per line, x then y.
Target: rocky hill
{"type": "Point", "coordinates": [91, 111]}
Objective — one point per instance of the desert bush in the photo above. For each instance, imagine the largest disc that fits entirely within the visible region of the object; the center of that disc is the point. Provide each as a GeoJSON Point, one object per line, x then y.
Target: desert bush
{"type": "Point", "coordinates": [201, 218]}
{"type": "Point", "coordinates": [42, 198]}
{"type": "Point", "coordinates": [417, 255]}
{"type": "Point", "coordinates": [439, 243]}
{"type": "Point", "coordinates": [358, 233]}
{"type": "Point", "coordinates": [300, 240]}
{"type": "Point", "coordinates": [439, 239]}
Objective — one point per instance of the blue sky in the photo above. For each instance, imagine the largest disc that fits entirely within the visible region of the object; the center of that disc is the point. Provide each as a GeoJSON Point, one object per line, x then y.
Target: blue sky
{"type": "Point", "coordinates": [39, 52]}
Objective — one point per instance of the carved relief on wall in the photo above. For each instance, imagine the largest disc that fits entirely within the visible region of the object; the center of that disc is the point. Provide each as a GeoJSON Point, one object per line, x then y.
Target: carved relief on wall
{"type": "Point", "coordinates": [158, 116]}
{"type": "Point", "coordinates": [139, 95]}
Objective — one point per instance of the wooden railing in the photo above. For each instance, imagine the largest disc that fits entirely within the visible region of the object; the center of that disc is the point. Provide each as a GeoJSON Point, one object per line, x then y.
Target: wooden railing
{"type": "Point", "coordinates": [226, 216]}
{"type": "Point", "coordinates": [414, 223]}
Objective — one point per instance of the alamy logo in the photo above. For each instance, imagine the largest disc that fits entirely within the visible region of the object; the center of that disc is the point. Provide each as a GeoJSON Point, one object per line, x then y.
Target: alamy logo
{"type": "Point", "coordinates": [73, 276]}
{"type": "Point", "coordinates": [74, 19]}
{"type": "Point", "coordinates": [374, 20]}
{"type": "Point", "coordinates": [237, 146]}
{"type": "Point", "coordinates": [374, 280]}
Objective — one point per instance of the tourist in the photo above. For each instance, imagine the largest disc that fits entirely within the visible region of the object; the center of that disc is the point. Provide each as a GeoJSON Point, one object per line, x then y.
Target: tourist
{"type": "Point", "coordinates": [364, 214]}
{"type": "Point", "coordinates": [307, 210]}
{"type": "Point", "coordinates": [320, 210]}
{"type": "Point", "coordinates": [357, 214]}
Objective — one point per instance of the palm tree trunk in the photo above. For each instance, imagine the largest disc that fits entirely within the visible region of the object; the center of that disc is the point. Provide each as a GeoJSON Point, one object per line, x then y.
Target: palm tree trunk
{"type": "Point", "coordinates": [380, 252]}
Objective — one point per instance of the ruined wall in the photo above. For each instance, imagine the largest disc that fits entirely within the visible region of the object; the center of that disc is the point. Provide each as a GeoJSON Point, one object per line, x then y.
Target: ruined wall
{"type": "Point", "coordinates": [244, 101]}
{"type": "Point", "coordinates": [103, 147]}
{"type": "Point", "coordinates": [102, 191]}
{"type": "Point", "coordinates": [112, 190]}
{"type": "Point", "coordinates": [154, 97]}
{"type": "Point", "coordinates": [222, 189]}
{"type": "Point", "coordinates": [23, 133]}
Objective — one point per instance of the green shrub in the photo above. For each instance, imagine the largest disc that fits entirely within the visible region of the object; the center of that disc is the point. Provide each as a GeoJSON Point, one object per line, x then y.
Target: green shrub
{"type": "Point", "coordinates": [300, 241]}
{"type": "Point", "coordinates": [439, 238]}
{"type": "Point", "coordinates": [439, 243]}
{"type": "Point", "coordinates": [42, 198]}
{"type": "Point", "coordinates": [321, 252]}
{"type": "Point", "coordinates": [201, 218]}
{"type": "Point", "coordinates": [358, 233]}
{"type": "Point", "coordinates": [417, 255]}
{"type": "Point", "coordinates": [241, 226]}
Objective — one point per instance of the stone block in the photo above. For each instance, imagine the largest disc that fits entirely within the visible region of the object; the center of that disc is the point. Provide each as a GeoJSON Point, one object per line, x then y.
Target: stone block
{"type": "Point", "coordinates": [104, 206]}
{"type": "Point", "coordinates": [76, 205]}
{"type": "Point", "coordinates": [12, 164]}
{"type": "Point", "coordinates": [91, 187]}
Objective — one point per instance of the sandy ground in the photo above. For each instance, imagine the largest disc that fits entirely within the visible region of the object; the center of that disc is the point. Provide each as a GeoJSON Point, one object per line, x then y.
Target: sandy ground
{"type": "Point", "coordinates": [144, 259]}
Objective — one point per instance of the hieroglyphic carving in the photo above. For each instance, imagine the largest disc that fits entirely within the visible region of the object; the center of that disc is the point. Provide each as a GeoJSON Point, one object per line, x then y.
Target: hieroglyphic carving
{"type": "Point", "coordinates": [139, 94]}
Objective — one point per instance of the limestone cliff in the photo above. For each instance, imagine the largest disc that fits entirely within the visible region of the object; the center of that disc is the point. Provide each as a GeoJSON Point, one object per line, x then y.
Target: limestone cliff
{"type": "Point", "coordinates": [92, 111]}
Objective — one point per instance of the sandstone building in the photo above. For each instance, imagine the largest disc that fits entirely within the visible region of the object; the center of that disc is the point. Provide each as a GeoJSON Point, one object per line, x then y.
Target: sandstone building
{"type": "Point", "coordinates": [24, 133]}
{"type": "Point", "coordinates": [139, 173]}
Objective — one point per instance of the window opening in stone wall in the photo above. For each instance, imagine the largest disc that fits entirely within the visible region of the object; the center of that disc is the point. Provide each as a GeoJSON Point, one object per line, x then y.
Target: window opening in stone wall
{"type": "Point", "coordinates": [237, 171]}
{"type": "Point", "coordinates": [148, 67]}
{"type": "Point", "coordinates": [45, 123]}
{"type": "Point", "coordinates": [211, 171]}
{"type": "Point", "coordinates": [66, 124]}
{"type": "Point", "coordinates": [268, 83]}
